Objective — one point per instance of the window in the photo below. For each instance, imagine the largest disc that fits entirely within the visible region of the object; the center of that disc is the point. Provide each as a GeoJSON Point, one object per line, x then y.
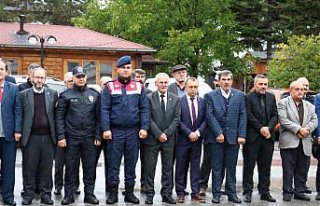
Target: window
{"type": "Point", "coordinates": [72, 64]}
{"type": "Point", "coordinates": [90, 67]}
{"type": "Point", "coordinates": [13, 65]}
{"type": "Point", "coordinates": [105, 69]}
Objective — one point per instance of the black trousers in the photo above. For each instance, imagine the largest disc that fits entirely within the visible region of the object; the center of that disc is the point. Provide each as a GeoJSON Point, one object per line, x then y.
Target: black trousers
{"type": "Point", "coordinates": [59, 169]}
{"type": "Point", "coordinates": [38, 154]}
{"type": "Point", "coordinates": [259, 152]}
{"type": "Point", "coordinates": [294, 164]}
{"type": "Point", "coordinates": [317, 156]}
{"type": "Point", "coordinates": [84, 149]}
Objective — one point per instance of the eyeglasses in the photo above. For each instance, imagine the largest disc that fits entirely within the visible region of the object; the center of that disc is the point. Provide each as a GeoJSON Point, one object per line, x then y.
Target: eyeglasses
{"type": "Point", "coordinates": [125, 67]}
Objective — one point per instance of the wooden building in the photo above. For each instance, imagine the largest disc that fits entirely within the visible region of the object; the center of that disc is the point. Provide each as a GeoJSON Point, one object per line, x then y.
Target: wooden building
{"type": "Point", "coordinates": [95, 51]}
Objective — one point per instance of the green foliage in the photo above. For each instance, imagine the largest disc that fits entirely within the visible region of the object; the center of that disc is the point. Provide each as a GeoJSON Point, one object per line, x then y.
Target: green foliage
{"type": "Point", "coordinates": [299, 58]}
{"type": "Point", "coordinates": [194, 33]}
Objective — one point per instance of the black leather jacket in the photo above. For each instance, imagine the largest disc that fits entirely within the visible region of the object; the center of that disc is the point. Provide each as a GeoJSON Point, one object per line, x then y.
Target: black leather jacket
{"type": "Point", "coordinates": [78, 114]}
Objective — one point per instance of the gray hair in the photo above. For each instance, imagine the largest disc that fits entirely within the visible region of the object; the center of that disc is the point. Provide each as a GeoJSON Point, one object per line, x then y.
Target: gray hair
{"type": "Point", "coordinates": [161, 75]}
{"type": "Point", "coordinates": [67, 76]}
{"type": "Point", "coordinates": [39, 69]}
{"type": "Point", "coordinates": [225, 73]}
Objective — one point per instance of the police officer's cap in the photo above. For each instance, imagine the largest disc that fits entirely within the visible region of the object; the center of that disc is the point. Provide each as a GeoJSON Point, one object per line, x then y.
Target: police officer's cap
{"type": "Point", "coordinates": [123, 61]}
{"type": "Point", "coordinates": [178, 68]}
{"type": "Point", "coordinates": [78, 71]}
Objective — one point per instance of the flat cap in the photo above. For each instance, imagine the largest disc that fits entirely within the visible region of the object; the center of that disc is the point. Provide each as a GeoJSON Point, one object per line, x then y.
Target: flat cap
{"type": "Point", "coordinates": [178, 68]}
{"type": "Point", "coordinates": [77, 71]}
{"type": "Point", "coordinates": [123, 61]}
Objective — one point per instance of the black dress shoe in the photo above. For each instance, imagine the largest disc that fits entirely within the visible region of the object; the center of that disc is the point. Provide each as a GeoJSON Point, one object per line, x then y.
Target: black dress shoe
{"type": "Point", "coordinates": [9, 202]}
{"type": "Point", "coordinates": [248, 197]}
{"type": "Point", "coordinates": [318, 196]}
{"type": "Point", "coordinates": [308, 191]}
{"type": "Point", "coordinates": [215, 199]}
{"type": "Point", "coordinates": [77, 191]}
{"type": "Point", "coordinates": [47, 201]}
{"type": "Point", "coordinates": [91, 199]}
{"type": "Point", "coordinates": [67, 200]}
{"type": "Point", "coordinates": [168, 199]}
{"type": "Point", "coordinates": [234, 199]}
{"type": "Point", "coordinates": [149, 200]}
{"type": "Point", "coordinates": [301, 196]}
{"type": "Point", "coordinates": [26, 201]}
{"type": "Point", "coordinates": [267, 197]}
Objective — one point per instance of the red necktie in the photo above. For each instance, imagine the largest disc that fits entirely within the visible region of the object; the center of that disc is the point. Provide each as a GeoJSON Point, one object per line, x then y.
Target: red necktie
{"type": "Point", "coordinates": [1, 93]}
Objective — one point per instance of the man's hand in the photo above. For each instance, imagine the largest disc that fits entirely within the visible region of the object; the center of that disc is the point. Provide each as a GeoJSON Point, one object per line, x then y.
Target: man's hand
{"type": "Point", "coordinates": [62, 143]}
{"type": "Point", "coordinates": [107, 135]}
{"type": "Point", "coordinates": [17, 136]}
{"type": "Point", "coordinates": [143, 133]}
{"type": "Point", "coordinates": [97, 142]}
{"type": "Point", "coordinates": [193, 136]}
{"type": "Point", "coordinates": [163, 138]}
{"type": "Point", "coordinates": [241, 140]}
{"type": "Point", "coordinates": [303, 131]}
{"type": "Point", "coordinates": [264, 131]}
{"type": "Point", "coordinates": [220, 138]}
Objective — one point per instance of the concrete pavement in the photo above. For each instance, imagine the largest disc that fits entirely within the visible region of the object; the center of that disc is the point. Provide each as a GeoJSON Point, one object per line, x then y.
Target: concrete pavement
{"type": "Point", "coordinates": [276, 184]}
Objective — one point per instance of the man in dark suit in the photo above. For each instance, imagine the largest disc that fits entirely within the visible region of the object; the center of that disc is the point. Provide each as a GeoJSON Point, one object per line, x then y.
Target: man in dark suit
{"type": "Point", "coordinates": [227, 122]}
{"type": "Point", "coordinates": [10, 132]}
{"type": "Point", "coordinates": [164, 122]}
{"type": "Point", "coordinates": [189, 140]}
{"type": "Point", "coordinates": [179, 72]}
{"type": "Point", "coordinates": [38, 136]}
{"type": "Point", "coordinates": [262, 118]}
{"type": "Point", "coordinates": [298, 120]}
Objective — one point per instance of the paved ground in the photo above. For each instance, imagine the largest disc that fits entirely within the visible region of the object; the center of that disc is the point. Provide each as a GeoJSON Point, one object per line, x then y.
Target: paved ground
{"type": "Point", "coordinates": [276, 184]}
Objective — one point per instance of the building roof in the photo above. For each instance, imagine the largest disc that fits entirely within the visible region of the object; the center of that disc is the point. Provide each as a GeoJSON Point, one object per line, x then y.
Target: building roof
{"type": "Point", "coordinates": [68, 37]}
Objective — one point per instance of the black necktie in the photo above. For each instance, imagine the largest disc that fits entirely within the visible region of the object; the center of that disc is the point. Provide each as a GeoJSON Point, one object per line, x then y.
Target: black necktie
{"type": "Point", "coordinates": [263, 109]}
{"type": "Point", "coordinates": [193, 111]}
{"type": "Point", "coordinates": [162, 105]}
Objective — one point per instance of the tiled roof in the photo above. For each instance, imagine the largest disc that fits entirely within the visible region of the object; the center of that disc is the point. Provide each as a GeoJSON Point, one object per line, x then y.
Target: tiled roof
{"type": "Point", "coordinates": [68, 37]}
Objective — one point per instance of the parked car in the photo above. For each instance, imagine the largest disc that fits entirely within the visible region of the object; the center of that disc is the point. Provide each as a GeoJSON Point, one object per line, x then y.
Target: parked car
{"type": "Point", "coordinates": [51, 82]}
{"type": "Point", "coordinates": [203, 87]}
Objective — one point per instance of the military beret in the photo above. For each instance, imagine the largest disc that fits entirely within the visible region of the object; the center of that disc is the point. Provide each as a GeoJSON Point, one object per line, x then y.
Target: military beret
{"type": "Point", "coordinates": [77, 71]}
{"type": "Point", "coordinates": [178, 68]}
{"type": "Point", "coordinates": [123, 61]}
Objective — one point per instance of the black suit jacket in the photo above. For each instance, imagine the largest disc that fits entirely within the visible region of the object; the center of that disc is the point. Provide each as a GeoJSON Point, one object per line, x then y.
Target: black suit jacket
{"type": "Point", "coordinates": [27, 104]}
{"type": "Point", "coordinates": [254, 113]}
{"type": "Point", "coordinates": [157, 126]}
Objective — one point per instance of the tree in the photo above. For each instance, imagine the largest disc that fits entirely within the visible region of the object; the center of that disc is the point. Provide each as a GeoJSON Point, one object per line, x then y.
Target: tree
{"type": "Point", "coordinates": [299, 58]}
{"type": "Point", "coordinates": [194, 33]}
{"type": "Point", "coordinates": [44, 11]}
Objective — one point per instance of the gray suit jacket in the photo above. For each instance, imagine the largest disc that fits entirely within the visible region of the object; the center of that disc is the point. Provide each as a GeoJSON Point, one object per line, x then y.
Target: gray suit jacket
{"type": "Point", "coordinates": [27, 104]}
{"type": "Point", "coordinates": [158, 126]}
{"type": "Point", "coordinates": [290, 124]}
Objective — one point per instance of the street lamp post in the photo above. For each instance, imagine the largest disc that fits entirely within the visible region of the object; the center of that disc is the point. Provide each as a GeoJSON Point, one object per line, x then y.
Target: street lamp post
{"type": "Point", "coordinates": [33, 39]}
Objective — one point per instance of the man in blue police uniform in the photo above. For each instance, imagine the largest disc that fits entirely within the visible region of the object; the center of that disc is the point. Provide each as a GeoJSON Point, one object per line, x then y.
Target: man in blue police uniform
{"type": "Point", "coordinates": [124, 118]}
{"type": "Point", "coordinates": [78, 129]}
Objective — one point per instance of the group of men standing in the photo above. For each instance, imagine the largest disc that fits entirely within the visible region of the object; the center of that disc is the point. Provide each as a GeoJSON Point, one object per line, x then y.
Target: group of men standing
{"type": "Point", "coordinates": [172, 121]}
